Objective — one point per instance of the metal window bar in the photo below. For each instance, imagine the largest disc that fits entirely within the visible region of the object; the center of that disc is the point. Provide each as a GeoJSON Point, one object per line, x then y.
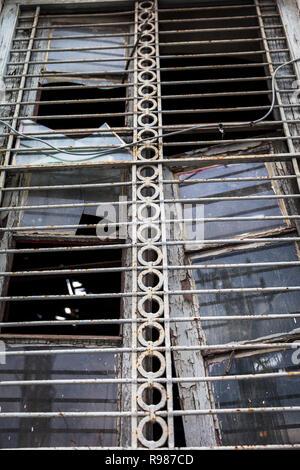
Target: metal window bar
{"type": "Point", "coordinates": [141, 436]}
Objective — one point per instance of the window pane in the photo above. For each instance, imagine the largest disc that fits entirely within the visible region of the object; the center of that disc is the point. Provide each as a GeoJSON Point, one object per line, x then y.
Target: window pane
{"type": "Point", "coordinates": [259, 428]}
{"type": "Point", "coordinates": [248, 303]}
{"type": "Point", "coordinates": [58, 431]}
{"type": "Point", "coordinates": [232, 208]}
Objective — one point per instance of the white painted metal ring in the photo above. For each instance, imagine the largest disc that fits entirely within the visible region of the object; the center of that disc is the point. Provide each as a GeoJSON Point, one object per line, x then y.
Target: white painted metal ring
{"type": "Point", "coordinates": [142, 168]}
{"type": "Point", "coordinates": [148, 325]}
{"type": "Point", "coordinates": [147, 76]}
{"type": "Point", "coordinates": [146, 51]}
{"type": "Point", "coordinates": [148, 152]}
{"type": "Point", "coordinates": [147, 119]}
{"type": "Point", "coordinates": [153, 237]}
{"type": "Point", "coordinates": [148, 248]}
{"type": "Point", "coordinates": [154, 299]}
{"type": "Point", "coordinates": [150, 374]}
{"type": "Point", "coordinates": [147, 38]}
{"type": "Point", "coordinates": [153, 407]}
{"type": "Point", "coordinates": [147, 104]}
{"type": "Point", "coordinates": [152, 444]}
{"type": "Point", "coordinates": [148, 5]}
{"type": "Point", "coordinates": [147, 90]}
{"type": "Point", "coordinates": [148, 186]}
{"type": "Point", "coordinates": [147, 63]}
{"type": "Point", "coordinates": [154, 210]}
{"type": "Point", "coordinates": [147, 272]}
{"type": "Point", "coordinates": [146, 25]}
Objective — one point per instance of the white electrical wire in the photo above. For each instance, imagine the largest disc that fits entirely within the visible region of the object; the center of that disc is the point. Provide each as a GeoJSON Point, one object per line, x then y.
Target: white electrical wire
{"type": "Point", "coordinates": [94, 155]}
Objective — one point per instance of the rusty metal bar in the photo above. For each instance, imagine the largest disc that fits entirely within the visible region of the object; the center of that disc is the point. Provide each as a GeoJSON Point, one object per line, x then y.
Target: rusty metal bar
{"type": "Point", "coordinates": [98, 414]}
{"type": "Point", "coordinates": [120, 350]}
{"type": "Point", "coordinates": [164, 69]}
{"type": "Point", "coordinates": [118, 295]}
{"type": "Point", "coordinates": [112, 35]}
{"type": "Point", "coordinates": [121, 321]}
{"type": "Point", "coordinates": [215, 378]}
{"type": "Point", "coordinates": [165, 97]}
{"type": "Point", "coordinates": [52, 272]}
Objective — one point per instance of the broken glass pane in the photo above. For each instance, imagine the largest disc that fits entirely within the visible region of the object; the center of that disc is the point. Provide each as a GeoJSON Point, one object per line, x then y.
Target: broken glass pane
{"type": "Point", "coordinates": [70, 215]}
{"type": "Point", "coordinates": [112, 50]}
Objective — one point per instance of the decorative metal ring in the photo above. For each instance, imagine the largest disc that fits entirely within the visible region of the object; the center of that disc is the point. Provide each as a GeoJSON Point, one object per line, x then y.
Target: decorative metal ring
{"type": "Point", "coordinates": [152, 207]}
{"type": "Point", "coordinates": [147, 76]}
{"type": "Point", "coordinates": [146, 186]}
{"type": "Point", "coordinates": [144, 90]}
{"type": "Point", "coordinates": [147, 148]}
{"type": "Point", "coordinates": [147, 63]}
{"type": "Point", "coordinates": [152, 238]}
{"type": "Point", "coordinates": [142, 51]}
{"type": "Point", "coordinates": [155, 173]}
{"type": "Point", "coordinates": [153, 407]}
{"type": "Point", "coordinates": [151, 375]}
{"type": "Point", "coordinates": [147, 116]}
{"type": "Point", "coordinates": [149, 343]}
{"type": "Point", "coordinates": [147, 272]}
{"type": "Point", "coordinates": [147, 104]}
{"type": "Point", "coordinates": [151, 298]}
{"type": "Point", "coordinates": [149, 248]}
{"type": "Point", "coordinates": [152, 444]}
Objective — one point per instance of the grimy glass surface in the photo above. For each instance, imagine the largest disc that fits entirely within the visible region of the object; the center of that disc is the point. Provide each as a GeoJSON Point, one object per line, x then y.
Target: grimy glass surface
{"type": "Point", "coordinates": [232, 208]}
{"type": "Point", "coordinates": [248, 303]}
{"type": "Point", "coordinates": [58, 431]}
{"type": "Point", "coordinates": [259, 428]}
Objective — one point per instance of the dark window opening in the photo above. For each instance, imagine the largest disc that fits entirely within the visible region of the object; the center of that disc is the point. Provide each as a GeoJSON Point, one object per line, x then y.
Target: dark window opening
{"type": "Point", "coordinates": [108, 106]}
{"type": "Point", "coordinates": [64, 284]}
{"type": "Point", "coordinates": [88, 219]}
{"type": "Point", "coordinates": [233, 103]}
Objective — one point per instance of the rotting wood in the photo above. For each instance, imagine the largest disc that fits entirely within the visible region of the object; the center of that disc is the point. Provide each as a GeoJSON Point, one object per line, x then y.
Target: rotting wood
{"type": "Point", "coordinates": [198, 430]}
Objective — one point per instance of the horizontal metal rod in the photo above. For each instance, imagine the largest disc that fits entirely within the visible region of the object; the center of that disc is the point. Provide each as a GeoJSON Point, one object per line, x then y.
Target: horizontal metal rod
{"type": "Point", "coordinates": [122, 59]}
{"type": "Point", "coordinates": [79, 25]}
{"type": "Point", "coordinates": [78, 15]}
{"type": "Point", "coordinates": [175, 82]}
{"type": "Point", "coordinates": [178, 163]}
{"type": "Point", "coordinates": [159, 21]}
{"type": "Point", "coordinates": [166, 201]}
{"type": "Point", "coordinates": [216, 18]}
{"type": "Point", "coordinates": [204, 127]}
{"type": "Point", "coordinates": [159, 10]}
{"type": "Point", "coordinates": [96, 381]}
{"type": "Point", "coordinates": [117, 295]}
{"type": "Point", "coordinates": [197, 143]}
{"type": "Point", "coordinates": [162, 69]}
{"type": "Point", "coordinates": [164, 97]}
{"type": "Point", "coordinates": [120, 224]}
{"type": "Point", "coordinates": [122, 350]}
{"type": "Point", "coordinates": [129, 183]}
{"type": "Point", "coordinates": [52, 272]}
{"type": "Point", "coordinates": [130, 245]}
{"type": "Point", "coordinates": [165, 112]}
{"type": "Point", "coordinates": [121, 321]}
{"type": "Point", "coordinates": [71, 186]}
{"type": "Point", "coordinates": [123, 34]}
{"type": "Point", "coordinates": [110, 47]}
{"type": "Point", "coordinates": [115, 414]}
